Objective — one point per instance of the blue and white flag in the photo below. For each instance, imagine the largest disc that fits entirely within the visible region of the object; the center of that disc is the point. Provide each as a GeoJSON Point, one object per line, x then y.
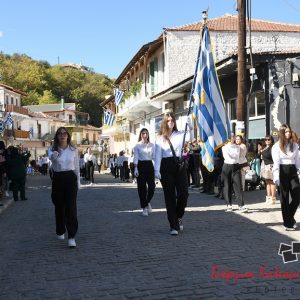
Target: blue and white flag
{"type": "Point", "coordinates": [118, 96]}
{"type": "Point", "coordinates": [109, 118]}
{"type": "Point", "coordinates": [9, 120]}
{"type": "Point", "coordinates": [209, 106]}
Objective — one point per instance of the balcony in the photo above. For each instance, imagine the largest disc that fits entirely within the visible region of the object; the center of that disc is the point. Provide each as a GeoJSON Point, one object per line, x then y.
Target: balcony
{"type": "Point", "coordinates": [16, 109]}
{"type": "Point", "coordinates": [18, 134]}
{"type": "Point", "coordinates": [137, 105]}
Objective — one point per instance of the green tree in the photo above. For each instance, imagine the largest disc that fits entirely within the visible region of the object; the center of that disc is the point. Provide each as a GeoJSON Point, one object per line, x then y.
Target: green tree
{"type": "Point", "coordinates": [48, 98]}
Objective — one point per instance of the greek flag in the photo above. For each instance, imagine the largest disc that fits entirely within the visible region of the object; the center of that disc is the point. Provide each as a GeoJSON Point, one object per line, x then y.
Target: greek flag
{"type": "Point", "coordinates": [9, 120]}
{"type": "Point", "coordinates": [109, 118]}
{"type": "Point", "coordinates": [118, 96]}
{"type": "Point", "coordinates": [209, 107]}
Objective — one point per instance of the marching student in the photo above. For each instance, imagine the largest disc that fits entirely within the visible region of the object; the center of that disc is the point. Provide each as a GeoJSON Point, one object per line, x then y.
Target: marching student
{"type": "Point", "coordinates": [144, 170]}
{"type": "Point", "coordinates": [286, 163]}
{"type": "Point", "coordinates": [65, 184]}
{"type": "Point", "coordinates": [90, 163]}
{"type": "Point", "coordinates": [168, 149]}
{"type": "Point", "coordinates": [231, 175]}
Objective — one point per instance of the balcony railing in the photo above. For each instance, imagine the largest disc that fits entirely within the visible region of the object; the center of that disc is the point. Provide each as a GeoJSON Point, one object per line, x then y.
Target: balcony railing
{"type": "Point", "coordinates": [16, 133]}
{"type": "Point", "coordinates": [17, 109]}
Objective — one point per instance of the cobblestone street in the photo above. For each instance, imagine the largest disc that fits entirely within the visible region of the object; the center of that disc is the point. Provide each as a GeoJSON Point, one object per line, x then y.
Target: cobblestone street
{"type": "Point", "coordinates": [122, 255]}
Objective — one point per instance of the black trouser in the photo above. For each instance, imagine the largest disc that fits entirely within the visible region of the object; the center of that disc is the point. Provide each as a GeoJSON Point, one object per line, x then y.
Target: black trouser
{"type": "Point", "coordinates": [126, 170]}
{"type": "Point", "coordinates": [175, 186]}
{"type": "Point", "coordinates": [64, 194]}
{"type": "Point", "coordinates": [18, 185]}
{"type": "Point", "coordinates": [116, 171]}
{"type": "Point", "coordinates": [145, 182]}
{"type": "Point", "coordinates": [231, 177]}
{"type": "Point", "coordinates": [90, 171]}
{"type": "Point", "coordinates": [289, 184]}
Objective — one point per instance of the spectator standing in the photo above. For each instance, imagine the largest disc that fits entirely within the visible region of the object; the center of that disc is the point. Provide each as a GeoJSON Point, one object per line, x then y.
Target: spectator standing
{"type": "Point", "coordinates": [266, 170]}
{"type": "Point", "coordinates": [242, 159]}
{"type": "Point", "coordinates": [16, 172]}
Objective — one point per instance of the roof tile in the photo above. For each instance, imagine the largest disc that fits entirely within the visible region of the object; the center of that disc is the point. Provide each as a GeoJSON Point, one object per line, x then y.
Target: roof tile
{"type": "Point", "coordinates": [230, 23]}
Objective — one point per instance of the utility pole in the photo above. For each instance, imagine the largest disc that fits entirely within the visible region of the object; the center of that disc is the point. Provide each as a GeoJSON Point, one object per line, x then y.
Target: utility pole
{"type": "Point", "coordinates": [241, 76]}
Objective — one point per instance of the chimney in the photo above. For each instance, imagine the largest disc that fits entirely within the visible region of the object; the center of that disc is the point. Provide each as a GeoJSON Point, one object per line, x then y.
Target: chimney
{"type": "Point", "coordinates": [62, 101]}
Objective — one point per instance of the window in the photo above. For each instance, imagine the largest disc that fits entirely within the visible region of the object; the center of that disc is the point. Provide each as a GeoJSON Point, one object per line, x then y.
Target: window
{"type": "Point", "coordinates": [232, 109]}
{"type": "Point", "coordinates": [153, 75]}
{"type": "Point", "coordinates": [70, 117]}
{"type": "Point", "coordinates": [12, 100]}
{"type": "Point", "coordinates": [141, 76]}
{"type": "Point", "coordinates": [6, 100]}
{"type": "Point", "coordinates": [257, 104]}
{"type": "Point", "coordinates": [163, 67]}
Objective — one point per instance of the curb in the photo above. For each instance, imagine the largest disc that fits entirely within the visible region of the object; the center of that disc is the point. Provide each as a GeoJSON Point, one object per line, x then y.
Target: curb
{"type": "Point", "coordinates": [6, 204]}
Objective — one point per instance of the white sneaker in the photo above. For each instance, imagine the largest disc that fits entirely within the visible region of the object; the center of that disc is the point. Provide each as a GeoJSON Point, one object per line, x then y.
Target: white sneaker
{"type": "Point", "coordinates": [71, 243]}
{"type": "Point", "coordinates": [149, 208]}
{"type": "Point", "coordinates": [145, 212]}
{"type": "Point", "coordinates": [290, 228]}
{"type": "Point", "coordinates": [61, 237]}
{"type": "Point", "coordinates": [243, 209]}
{"type": "Point", "coordinates": [229, 208]}
{"type": "Point", "coordinates": [6, 194]}
{"type": "Point", "coordinates": [174, 232]}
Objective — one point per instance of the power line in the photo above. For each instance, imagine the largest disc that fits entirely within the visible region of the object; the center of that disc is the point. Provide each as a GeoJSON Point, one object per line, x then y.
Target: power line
{"type": "Point", "coordinates": [291, 5]}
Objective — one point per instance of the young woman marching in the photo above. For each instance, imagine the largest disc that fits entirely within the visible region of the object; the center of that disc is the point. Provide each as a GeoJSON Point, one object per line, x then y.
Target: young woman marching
{"type": "Point", "coordinates": [65, 183]}
{"type": "Point", "coordinates": [173, 179]}
{"type": "Point", "coordinates": [231, 175]}
{"type": "Point", "coordinates": [144, 170]}
{"type": "Point", "coordinates": [285, 154]}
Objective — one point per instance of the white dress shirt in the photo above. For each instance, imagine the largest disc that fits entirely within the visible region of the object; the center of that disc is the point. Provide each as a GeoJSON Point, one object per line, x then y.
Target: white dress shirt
{"type": "Point", "coordinates": [67, 160]}
{"type": "Point", "coordinates": [231, 153]}
{"type": "Point", "coordinates": [281, 158]}
{"type": "Point", "coordinates": [163, 150]}
{"type": "Point", "coordinates": [143, 151]}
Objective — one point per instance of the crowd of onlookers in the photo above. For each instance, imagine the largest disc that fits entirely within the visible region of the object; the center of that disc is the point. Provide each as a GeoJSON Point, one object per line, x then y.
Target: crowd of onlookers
{"type": "Point", "coordinates": [13, 167]}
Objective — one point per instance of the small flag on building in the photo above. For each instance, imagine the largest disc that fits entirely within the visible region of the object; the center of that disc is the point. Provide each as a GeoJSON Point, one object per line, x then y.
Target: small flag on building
{"type": "Point", "coordinates": [118, 96]}
{"type": "Point", "coordinates": [109, 118]}
{"type": "Point", "coordinates": [209, 106]}
{"type": "Point", "coordinates": [9, 120]}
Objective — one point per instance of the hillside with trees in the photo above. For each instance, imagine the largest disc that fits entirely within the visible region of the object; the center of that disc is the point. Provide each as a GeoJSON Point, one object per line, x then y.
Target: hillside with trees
{"type": "Point", "coordinates": [45, 84]}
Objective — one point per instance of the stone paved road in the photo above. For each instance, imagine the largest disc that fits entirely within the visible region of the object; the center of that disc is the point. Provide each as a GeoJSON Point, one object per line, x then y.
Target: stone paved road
{"type": "Point", "coordinates": [122, 255]}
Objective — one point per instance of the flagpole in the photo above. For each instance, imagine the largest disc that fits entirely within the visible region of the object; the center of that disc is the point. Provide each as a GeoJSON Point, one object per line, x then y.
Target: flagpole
{"type": "Point", "coordinates": [191, 101]}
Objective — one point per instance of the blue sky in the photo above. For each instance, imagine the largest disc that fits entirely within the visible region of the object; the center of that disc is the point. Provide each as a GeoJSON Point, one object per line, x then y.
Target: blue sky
{"type": "Point", "coordinates": [105, 35]}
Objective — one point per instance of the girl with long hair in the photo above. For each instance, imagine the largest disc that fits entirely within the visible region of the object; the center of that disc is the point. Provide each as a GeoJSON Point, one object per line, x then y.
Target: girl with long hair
{"type": "Point", "coordinates": [243, 162]}
{"type": "Point", "coordinates": [266, 169]}
{"type": "Point", "coordinates": [144, 170]}
{"type": "Point", "coordinates": [65, 184]}
{"type": "Point", "coordinates": [173, 179]}
{"type": "Point", "coordinates": [285, 154]}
